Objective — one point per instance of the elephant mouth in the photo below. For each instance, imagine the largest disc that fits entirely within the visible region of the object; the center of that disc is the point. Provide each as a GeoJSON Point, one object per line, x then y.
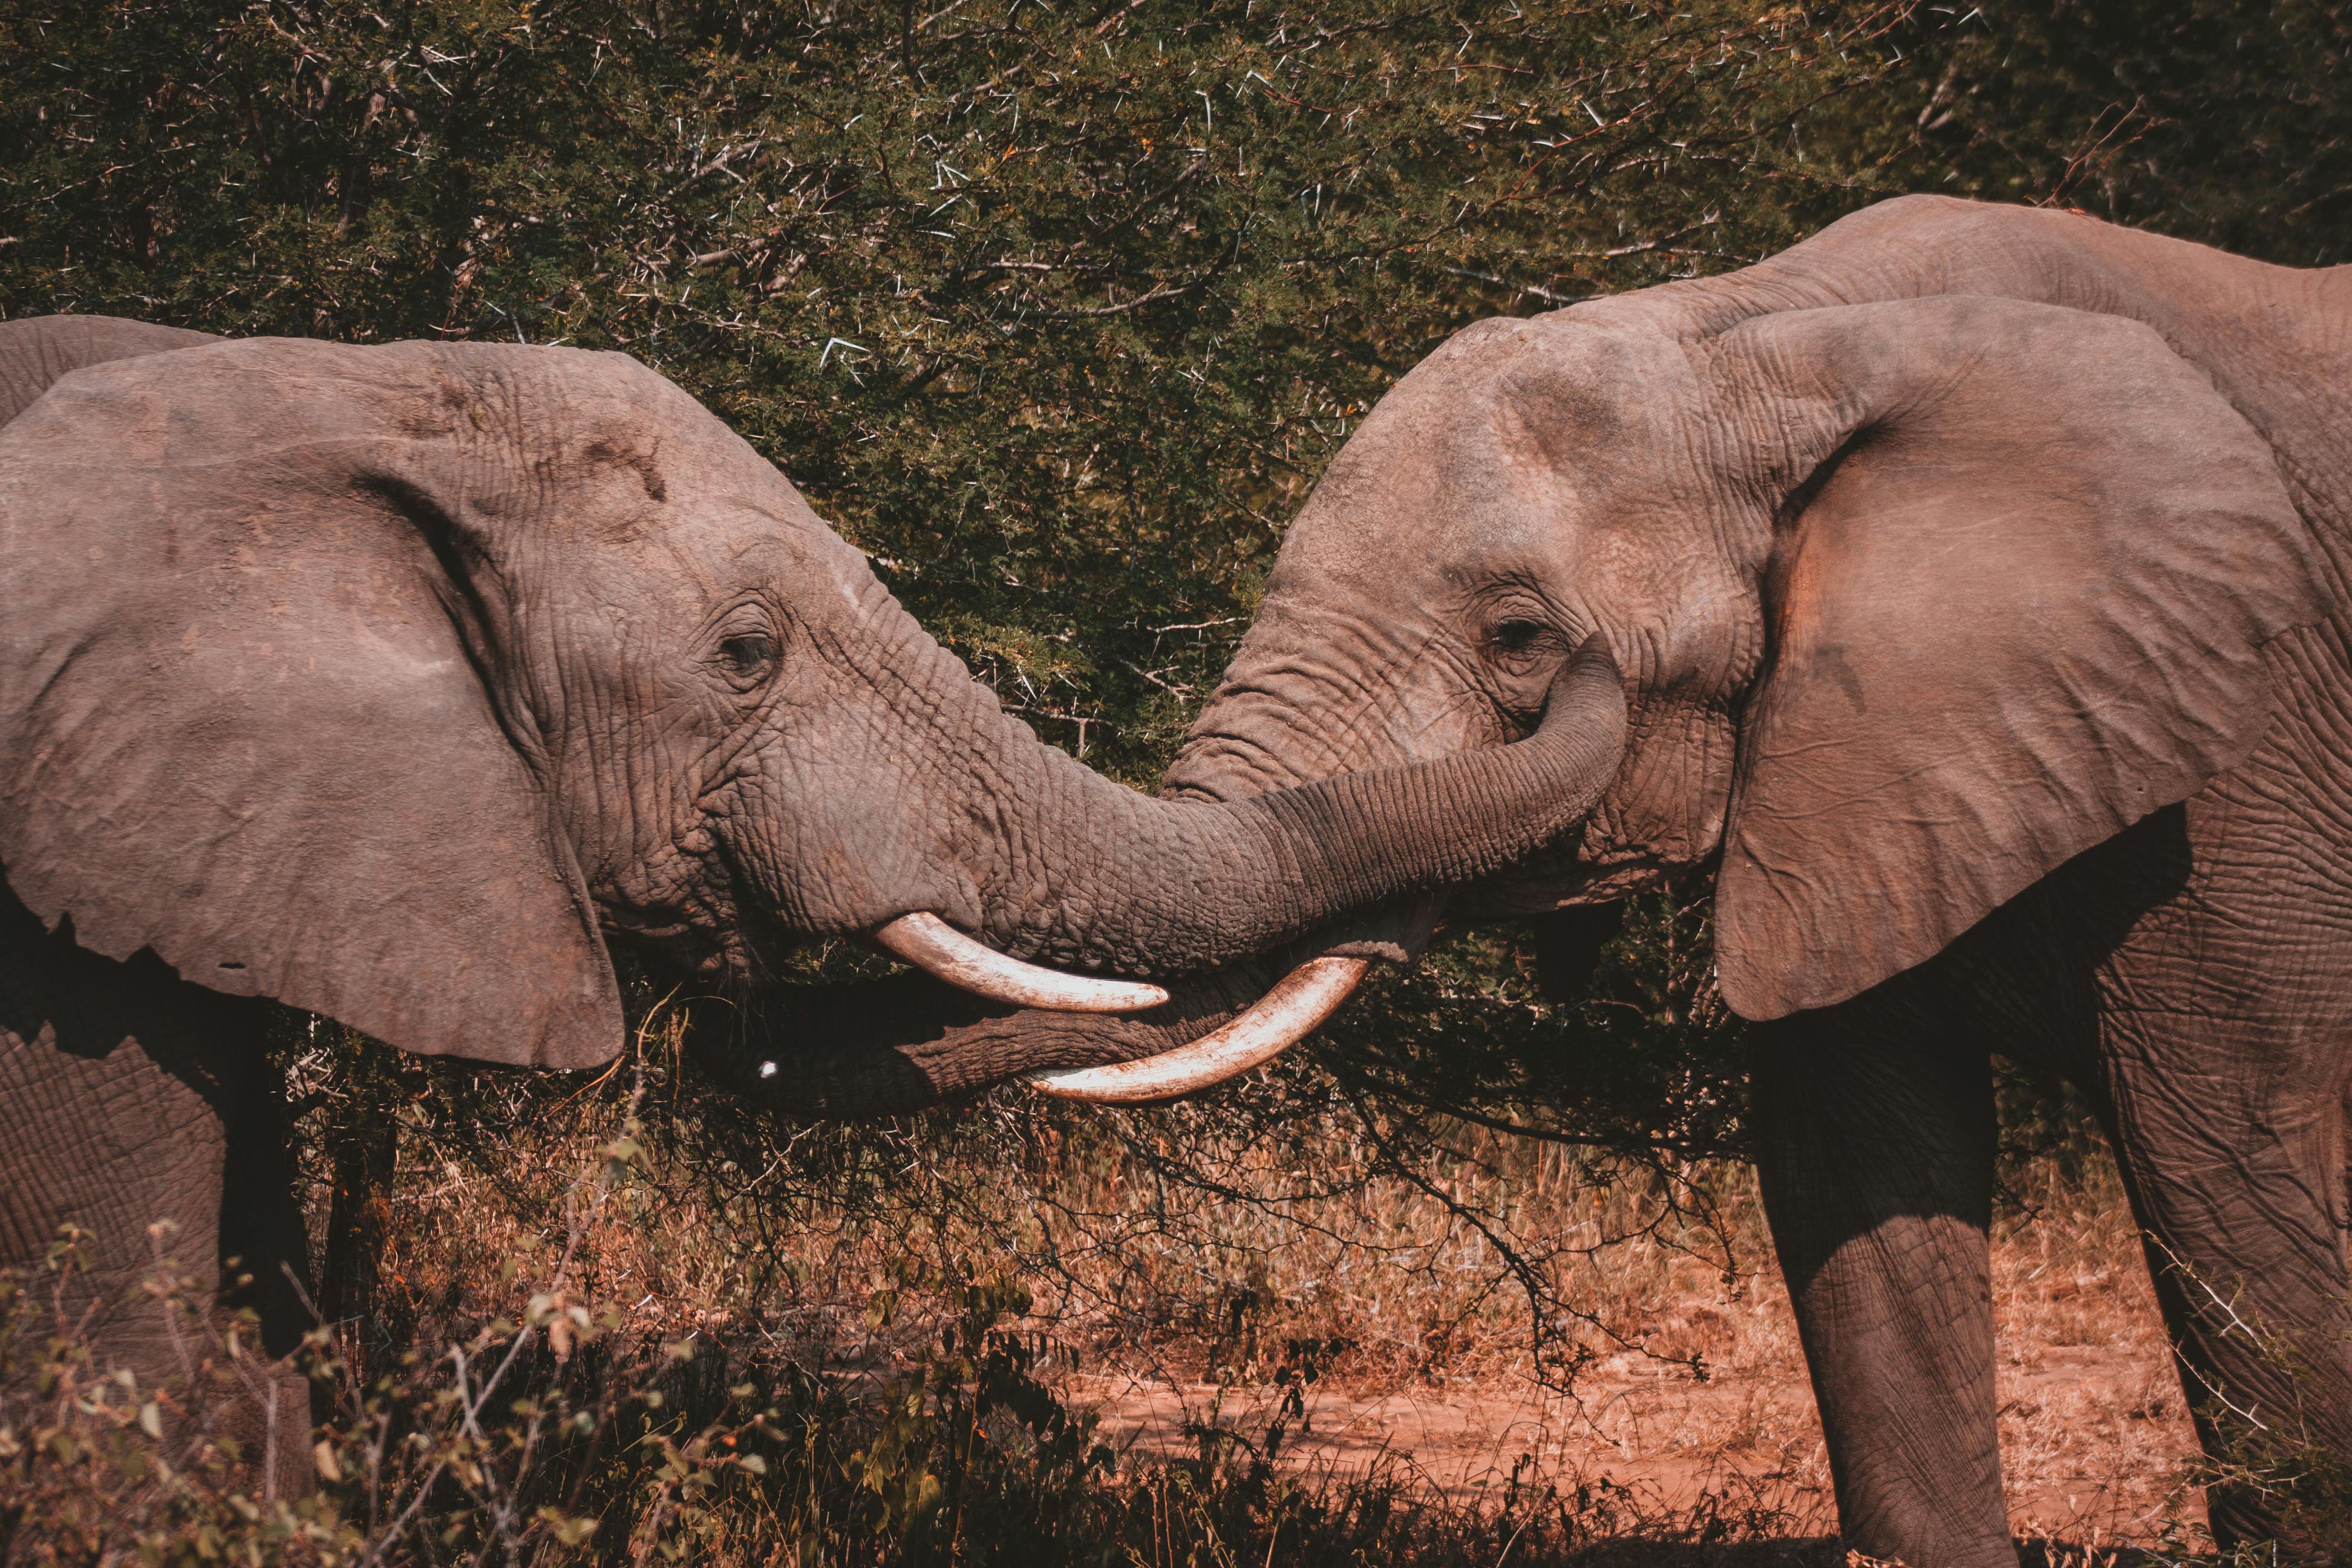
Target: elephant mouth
{"type": "Point", "coordinates": [1280, 1016]}
{"type": "Point", "coordinates": [723, 957]}
{"type": "Point", "coordinates": [1299, 1004]}
{"type": "Point", "coordinates": [737, 942]}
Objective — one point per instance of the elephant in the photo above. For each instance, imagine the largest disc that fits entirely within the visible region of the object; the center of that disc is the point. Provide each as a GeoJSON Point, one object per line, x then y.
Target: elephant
{"type": "Point", "coordinates": [408, 683]}
{"type": "Point", "coordinates": [1976, 573]}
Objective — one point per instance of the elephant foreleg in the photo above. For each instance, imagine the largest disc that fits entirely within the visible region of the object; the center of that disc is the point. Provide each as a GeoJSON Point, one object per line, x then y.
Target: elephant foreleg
{"type": "Point", "coordinates": [1876, 1144]}
{"type": "Point", "coordinates": [130, 1100]}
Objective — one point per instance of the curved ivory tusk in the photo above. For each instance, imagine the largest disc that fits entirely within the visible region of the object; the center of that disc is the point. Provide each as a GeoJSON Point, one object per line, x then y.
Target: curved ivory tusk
{"type": "Point", "coordinates": [1273, 1024]}
{"type": "Point", "coordinates": [930, 943]}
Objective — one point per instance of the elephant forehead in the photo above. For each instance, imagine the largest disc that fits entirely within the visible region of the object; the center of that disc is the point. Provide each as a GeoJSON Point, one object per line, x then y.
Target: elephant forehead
{"type": "Point", "coordinates": [627, 451]}
{"type": "Point", "coordinates": [1418, 481]}
{"type": "Point", "coordinates": [687, 560]}
{"type": "Point", "coordinates": [1515, 436]}
{"type": "Point", "coordinates": [559, 438]}
{"type": "Point", "coordinates": [1597, 396]}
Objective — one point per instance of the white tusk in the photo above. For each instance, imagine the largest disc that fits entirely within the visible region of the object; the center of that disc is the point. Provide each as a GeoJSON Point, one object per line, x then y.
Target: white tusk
{"type": "Point", "coordinates": [1273, 1024]}
{"type": "Point", "coordinates": [928, 943]}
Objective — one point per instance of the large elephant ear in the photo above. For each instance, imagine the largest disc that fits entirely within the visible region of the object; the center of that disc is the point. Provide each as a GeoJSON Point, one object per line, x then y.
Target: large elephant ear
{"type": "Point", "coordinates": [37, 350]}
{"type": "Point", "coordinates": [250, 693]}
{"type": "Point", "coordinates": [2022, 580]}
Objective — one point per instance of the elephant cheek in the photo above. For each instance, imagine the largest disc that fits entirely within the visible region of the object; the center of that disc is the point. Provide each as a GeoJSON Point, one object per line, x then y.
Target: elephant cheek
{"type": "Point", "coordinates": [1667, 804]}
{"type": "Point", "coordinates": [837, 853]}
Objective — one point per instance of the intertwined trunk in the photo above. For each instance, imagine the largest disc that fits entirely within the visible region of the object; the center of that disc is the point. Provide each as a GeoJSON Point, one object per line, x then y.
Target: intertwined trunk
{"type": "Point", "coordinates": [1076, 869]}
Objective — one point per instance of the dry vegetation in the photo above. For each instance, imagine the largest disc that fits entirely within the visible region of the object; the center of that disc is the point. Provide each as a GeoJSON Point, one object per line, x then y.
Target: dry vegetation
{"type": "Point", "coordinates": [625, 1325]}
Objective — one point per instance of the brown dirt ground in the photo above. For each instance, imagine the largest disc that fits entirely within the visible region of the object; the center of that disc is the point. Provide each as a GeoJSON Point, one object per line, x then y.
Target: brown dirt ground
{"type": "Point", "coordinates": [2095, 1433]}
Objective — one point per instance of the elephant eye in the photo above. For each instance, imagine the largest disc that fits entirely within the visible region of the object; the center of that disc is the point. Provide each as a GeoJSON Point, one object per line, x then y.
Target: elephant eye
{"type": "Point", "coordinates": [1515, 636]}
{"type": "Point", "coordinates": [746, 659]}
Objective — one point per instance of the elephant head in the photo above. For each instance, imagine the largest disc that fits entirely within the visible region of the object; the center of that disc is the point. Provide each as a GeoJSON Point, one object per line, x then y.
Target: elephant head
{"type": "Point", "coordinates": [391, 681]}
{"type": "Point", "coordinates": [1930, 562]}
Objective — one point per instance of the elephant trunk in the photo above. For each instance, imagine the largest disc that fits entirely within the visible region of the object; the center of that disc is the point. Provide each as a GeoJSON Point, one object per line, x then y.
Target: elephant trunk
{"type": "Point", "coordinates": [1093, 875]}
{"type": "Point", "coordinates": [1072, 869]}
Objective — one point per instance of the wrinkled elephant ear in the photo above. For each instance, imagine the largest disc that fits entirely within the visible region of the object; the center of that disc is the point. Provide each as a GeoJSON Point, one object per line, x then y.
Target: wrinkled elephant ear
{"type": "Point", "coordinates": [249, 709]}
{"type": "Point", "coordinates": [2021, 584]}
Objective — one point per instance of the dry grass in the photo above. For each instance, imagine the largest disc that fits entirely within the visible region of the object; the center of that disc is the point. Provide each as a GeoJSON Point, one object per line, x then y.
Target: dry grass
{"type": "Point", "coordinates": [618, 1323]}
{"type": "Point", "coordinates": [2097, 1439]}
{"type": "Point", "coordinates": [1188, 1280]}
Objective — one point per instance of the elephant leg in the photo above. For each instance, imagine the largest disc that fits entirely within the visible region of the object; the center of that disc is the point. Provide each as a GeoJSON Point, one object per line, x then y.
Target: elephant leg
{"type": "Point", "coordinates": [1874, 1140]}
{"type": "Point", "coordinates": [135, 1108]}
{"type": "Point", "coordinates": [2237, 1181]}
{"type": "Point", "coordinates": [265, 1244]}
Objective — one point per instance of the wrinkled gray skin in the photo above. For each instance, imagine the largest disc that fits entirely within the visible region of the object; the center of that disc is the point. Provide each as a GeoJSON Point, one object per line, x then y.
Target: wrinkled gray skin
{"type": "Point", "coordinates": [1978, 572]}
{"type": "Point", "coordinates": [394, 682]}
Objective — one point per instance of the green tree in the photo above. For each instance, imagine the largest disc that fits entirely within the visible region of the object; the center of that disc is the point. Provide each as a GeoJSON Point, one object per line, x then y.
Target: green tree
{"type": "Point", "coordinates": [2224, 123]}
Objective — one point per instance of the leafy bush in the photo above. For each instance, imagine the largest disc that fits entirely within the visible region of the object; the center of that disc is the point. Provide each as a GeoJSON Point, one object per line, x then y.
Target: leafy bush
{"type": "Point", "coordinates": [892, 1398]}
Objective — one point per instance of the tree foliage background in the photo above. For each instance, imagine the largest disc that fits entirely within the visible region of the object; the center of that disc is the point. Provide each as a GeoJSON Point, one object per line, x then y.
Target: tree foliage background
{"type": "Point", "coordinates": [1059, 309]}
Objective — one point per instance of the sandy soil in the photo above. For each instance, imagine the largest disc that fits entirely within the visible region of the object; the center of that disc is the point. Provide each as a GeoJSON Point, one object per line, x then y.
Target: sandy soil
{"type": "Point", "coordinates": [2095, 1433]}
